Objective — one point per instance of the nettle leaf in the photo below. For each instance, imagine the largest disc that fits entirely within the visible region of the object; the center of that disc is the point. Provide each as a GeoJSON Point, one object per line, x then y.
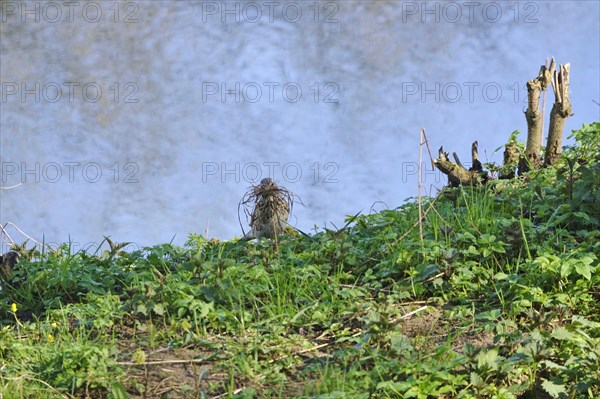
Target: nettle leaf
{"type": "Point", "coordinates": [466, 236]}
{"type": "Point", "coordinates": [159, 309]}
{"type": "Point", "coordinates": [562, 334]}
{"type": "Point", "coordinates": [490, 315]}
{"type": "Point", "coordinates": [425, 271]}
{"type": "Point", "coordinates": [497, 247]}
{"type": "Point", "coordinates": [548, 262]}
{"type": "Point", "coordinates": [554, 366]}
{"type": "Point", "coordinates": [141, 308]}
{"type": "Point", "coordinates": [486, 239]}
{"type": "Point", "coordinates": [472, 250]}
{"type": "Point", "coordinates": [488, 360]}
{"type": "Point", "coordinates": [563, 298]}
{"type": "Point", "coordinates": [500, 276]}
{"type": "Point", "coordinates": [476, 380]}
{"type": "Point", "coordinates": [318, 316]}
{"type": "Point", "coordinates": [583, 216]}
{"type": "Point", "coordinates": [580, 321]}
{"type": "Point", "coordinates": [554, 389]}
{"type": "Point", "coordinates": [205, 308]}
{"type": "Point", "coordinates": [400, 343]}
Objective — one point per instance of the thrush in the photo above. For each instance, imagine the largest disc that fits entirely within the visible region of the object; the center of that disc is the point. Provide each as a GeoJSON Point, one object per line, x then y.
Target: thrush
{"type": "Point", "coordinates": [271, 209]}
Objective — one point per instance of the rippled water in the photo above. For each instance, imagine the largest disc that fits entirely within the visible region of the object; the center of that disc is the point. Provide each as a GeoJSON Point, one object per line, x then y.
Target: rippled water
{"type": "Point", "coordinates": [148, 120]}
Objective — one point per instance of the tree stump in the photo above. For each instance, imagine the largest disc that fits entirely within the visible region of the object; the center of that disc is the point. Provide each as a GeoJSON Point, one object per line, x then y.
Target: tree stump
{"type": "Point", "coordinates": [513, 157]}
{"type": "Point", "coordinates": [457, 173]}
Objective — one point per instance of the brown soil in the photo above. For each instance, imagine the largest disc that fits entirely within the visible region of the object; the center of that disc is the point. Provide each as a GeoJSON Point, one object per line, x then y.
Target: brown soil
{"type": "Point", "coordinates": [190, 372]}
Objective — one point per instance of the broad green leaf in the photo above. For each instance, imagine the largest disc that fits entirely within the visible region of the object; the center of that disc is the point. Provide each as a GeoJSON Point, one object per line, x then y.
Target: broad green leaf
{"type": "Point", "coordinates": [555, 390]}
{"type": "Point", "coordinates": [117, 391]}
{"type": "Point", "coordinates": [500, 276]}
{"type": "Point", "coordinates": [562, 334]}
{"type": "Point", "coordinates": [583, 216]}
{"type": "Point", "coordinates": [488, 359]}
{"type": "Point", "coordinates": [584, 270]}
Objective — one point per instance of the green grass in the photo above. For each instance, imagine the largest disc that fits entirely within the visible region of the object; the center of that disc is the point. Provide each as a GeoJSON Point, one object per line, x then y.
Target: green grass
{"type": "Point", "coordinates": [500, 300]}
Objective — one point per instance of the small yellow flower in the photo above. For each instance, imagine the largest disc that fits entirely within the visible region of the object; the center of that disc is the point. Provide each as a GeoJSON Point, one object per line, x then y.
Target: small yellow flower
{"type": "Point", "coordinates": [13, 308]}
{"type": "Point", "coordinates": [50, 338]}
{"type": "Point", "coordinates": [54, 325]}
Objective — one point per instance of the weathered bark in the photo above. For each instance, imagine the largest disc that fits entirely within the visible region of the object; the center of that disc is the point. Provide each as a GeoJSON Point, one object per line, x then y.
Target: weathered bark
{"type": "Point", "coordinates": [457, 173]}
{"type": "Point", "coordinates": [561, 110]}
{"type": "Point", "coordinates": [476, 165]}
{"type": "Point", "coordinates": [535, 87]}
{"type": "Point", "coordinates": [511, 158]}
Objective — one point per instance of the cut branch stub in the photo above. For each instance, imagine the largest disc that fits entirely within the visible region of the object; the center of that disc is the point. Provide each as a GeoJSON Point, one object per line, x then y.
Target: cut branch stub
{"type": "Point", "coordinates": [509, 164]}
{"type": "Point", "coordinates": [457, 159]}
{"type": "Point", "coordinates": [457, 173]}
{"type": "Point", "coordinates": [477, 167]}
{"type": "Point", "coordinates": [535, 118]}
{"type": "Point", "coordinates": [561, 110]}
